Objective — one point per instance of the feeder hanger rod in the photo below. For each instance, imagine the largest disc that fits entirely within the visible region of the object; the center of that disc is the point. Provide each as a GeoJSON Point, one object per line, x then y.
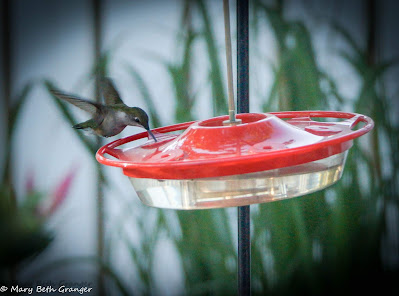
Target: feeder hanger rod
{"type": "Point", "coordinates": [244, 221]}
{"type": "Point", "coordinates": [226, 13]}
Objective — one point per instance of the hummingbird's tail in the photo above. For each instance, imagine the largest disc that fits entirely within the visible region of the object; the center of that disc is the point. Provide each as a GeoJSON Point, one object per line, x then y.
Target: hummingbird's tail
{"type": "Point", "coordinates": [89, 124]}
{"type": "Point", "coordinates": [87, 127]}
{"type": "Point", "coordinates": [79, 126]}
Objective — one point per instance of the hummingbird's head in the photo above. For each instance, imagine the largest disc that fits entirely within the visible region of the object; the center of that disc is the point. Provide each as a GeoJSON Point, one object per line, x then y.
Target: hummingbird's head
{"type": "Point", "coordinates": [138, 117]}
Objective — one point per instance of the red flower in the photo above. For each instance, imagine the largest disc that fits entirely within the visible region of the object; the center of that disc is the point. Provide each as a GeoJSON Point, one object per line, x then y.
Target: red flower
{"type": "Point", "coordinates": [59, 194]}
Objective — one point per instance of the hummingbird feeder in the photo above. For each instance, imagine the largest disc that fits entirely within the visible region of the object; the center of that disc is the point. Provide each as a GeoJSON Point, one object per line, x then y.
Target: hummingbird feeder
{"type": "Point", "coordinates": [237, 160]}
{"type": "Point", "coordinates": [212, 165]}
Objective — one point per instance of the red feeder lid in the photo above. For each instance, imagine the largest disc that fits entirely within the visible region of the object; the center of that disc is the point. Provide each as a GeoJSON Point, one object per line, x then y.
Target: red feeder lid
{"type": "Point", "coordinates": [262, 142]}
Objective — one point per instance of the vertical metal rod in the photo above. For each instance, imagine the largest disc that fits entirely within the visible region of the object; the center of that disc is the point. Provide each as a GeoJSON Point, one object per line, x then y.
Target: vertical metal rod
{"type": "Point", "coordinates": [97, 24]}
{"type": "Point", "coordinates": [244, 223]}
{"type": "Point", "coordinates": [7, 68]}
{"type": "Point", "coordinates": [244, 251]}
{"type": "Point", "coordinates": [7, 56]}
{"type": "Point", "coordinates": [242, 56]}
{"type": "Point", "coordinates": [227, 35]}
{"type": "Point", "coordinates": [6, 47]}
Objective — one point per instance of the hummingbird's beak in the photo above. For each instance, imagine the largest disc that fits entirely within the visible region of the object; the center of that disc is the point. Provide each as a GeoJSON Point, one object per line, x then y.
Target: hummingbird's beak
{"type": "Point", "coordinates": [152, 135]}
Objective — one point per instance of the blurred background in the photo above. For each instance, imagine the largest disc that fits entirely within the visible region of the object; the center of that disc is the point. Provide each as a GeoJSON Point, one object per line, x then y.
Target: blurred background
{"type": "Point", "coordinates": [65, 218]}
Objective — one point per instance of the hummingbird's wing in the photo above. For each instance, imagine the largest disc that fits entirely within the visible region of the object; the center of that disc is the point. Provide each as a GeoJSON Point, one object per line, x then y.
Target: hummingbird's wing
{"type": "Point", "coordinates": [86, 105]}
{"type": "Point", "coordinates": [111, 95]}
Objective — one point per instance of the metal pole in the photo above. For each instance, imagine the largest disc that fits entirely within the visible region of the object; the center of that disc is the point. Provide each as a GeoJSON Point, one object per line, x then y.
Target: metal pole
{"type": "Point", "coordinates": [232, 110]}
{"type": "Point", "coordinates": [242, 56]}
{"type": "Point", "coordinates": [229, 62]}
{"type": "Point", "coordinates": [244, 251]}
{"type": "Point", "coordinates": [97, 6]}
{"type": "Point", "coordinates": [244, 239]}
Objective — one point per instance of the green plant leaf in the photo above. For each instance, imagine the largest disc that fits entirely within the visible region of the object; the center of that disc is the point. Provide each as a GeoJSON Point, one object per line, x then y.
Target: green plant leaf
{"type": "Point", "coordinates": [215, 71]}
{"type": "Point", "coordinates": [145, 93]}
{"type": "Point", "coordinates": [15, 110]}
{"type": "Point", "coordinates": [358, 51]}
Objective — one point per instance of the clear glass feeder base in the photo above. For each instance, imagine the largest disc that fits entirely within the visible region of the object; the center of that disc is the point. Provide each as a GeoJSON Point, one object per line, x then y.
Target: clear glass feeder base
{"type": "Point", "coordinates": [239, 190]}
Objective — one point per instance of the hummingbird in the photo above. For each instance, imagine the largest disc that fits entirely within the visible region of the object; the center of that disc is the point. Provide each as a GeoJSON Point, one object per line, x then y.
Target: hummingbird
{"type": "Point", "coordinates": [108, 119]}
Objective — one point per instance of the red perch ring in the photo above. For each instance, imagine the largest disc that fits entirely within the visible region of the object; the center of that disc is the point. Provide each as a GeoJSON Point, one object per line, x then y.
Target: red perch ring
{"type": "Point", "coordinates": [264, 141]}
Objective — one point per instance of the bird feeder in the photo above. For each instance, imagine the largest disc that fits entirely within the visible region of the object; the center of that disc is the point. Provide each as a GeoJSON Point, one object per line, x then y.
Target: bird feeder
{"type": "Point", "coordinates": [268, 157]}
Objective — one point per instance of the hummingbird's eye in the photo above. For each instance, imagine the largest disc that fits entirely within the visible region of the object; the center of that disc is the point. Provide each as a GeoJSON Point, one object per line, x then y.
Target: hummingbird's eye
{"type": "Point", "coordinates": [136, 119]}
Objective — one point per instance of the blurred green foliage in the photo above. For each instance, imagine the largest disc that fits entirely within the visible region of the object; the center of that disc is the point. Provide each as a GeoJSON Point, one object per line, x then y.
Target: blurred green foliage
{"type": "Point", "coordinates": [297, 76]}
{"type": "Point", "coordinates": [21, 230]}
